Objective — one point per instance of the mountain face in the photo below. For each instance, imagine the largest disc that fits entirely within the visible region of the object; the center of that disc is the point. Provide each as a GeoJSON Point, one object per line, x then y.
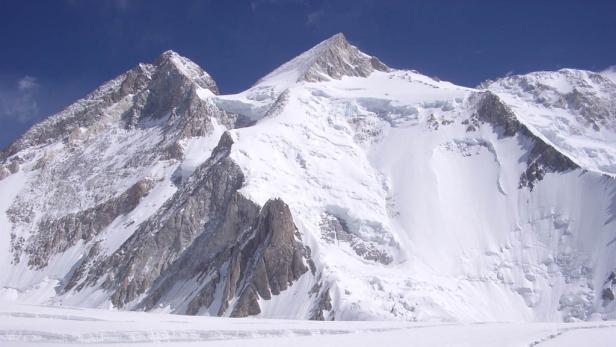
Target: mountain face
{"type": "Point", "coordinates": [336, 188]}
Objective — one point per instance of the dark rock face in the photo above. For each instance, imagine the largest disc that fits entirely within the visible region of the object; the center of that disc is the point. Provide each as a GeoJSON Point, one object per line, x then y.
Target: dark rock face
{"type": "Point", "coordinates": [161, 239]}
{"type": "Point", "coordinates": [333, 58]}
{"type": "Point", "coordinates": [86, 128]}
{"type": "Point", "coordinates": [542, 158]}
{"type": "Point", "coordinates": [336, 57]}
{"type": "Point", "coordinates": [322, 309]}
{"type": "Point", "coordinates": [170, 88]}
{"type": "Point", "coordinates": [251, 253]}
{"type": "Point", "coordinates": [609, 289]}
{"type": "Point", "coordinates": [57, 235]}
{"type": "Point", "coordinates": [154, 90]}
{"type": "Point", "coordinates": [209, 235]}
{"type": "Point", "coordinates": [491, 110]}
{"type": "Point", "coordinates": [607, 295]}
{"type": "Point", "coordinates": [271, 260]}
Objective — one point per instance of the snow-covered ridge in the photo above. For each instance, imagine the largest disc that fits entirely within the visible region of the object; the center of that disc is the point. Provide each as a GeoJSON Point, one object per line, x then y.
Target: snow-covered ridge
{"type": "Point", "coordinates": [572, 110]}
{"type": "Point", "coordinates": [330, 59]}
{"type": "Point", "coordinates": [334, 188]}
{"type": "Point", "coordinates": [88, 110]}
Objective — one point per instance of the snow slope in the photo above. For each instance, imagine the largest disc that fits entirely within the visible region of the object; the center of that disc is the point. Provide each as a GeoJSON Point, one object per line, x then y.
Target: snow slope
{"type": "Point", "coordinates": [572, 110]}
{"type": "Point", "coordinates": [416, 199]}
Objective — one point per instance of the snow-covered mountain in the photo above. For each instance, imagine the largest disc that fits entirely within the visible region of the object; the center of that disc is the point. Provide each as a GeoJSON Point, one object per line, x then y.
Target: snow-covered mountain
{"type": "Point", "coordinates": [336, 188]}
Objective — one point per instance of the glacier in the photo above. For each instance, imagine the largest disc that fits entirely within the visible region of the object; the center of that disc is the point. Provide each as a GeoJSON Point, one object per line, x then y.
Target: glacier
{"type": "Point", "coordinates": [334, 188]}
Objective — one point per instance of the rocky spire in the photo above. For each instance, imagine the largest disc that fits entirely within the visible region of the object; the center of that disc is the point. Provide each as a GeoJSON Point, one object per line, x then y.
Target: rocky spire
{"type": "Point", "coordinates": [155, 89]}
{"type": "Point", "coordinates": [171, 60]}
{"type": "Point", "coordinates": [330, 59]}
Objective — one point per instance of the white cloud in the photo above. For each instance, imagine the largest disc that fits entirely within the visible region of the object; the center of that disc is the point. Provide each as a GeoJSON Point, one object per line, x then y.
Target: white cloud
{"type": "Point", "coordinates": [19, 101]}
{"type": "Point", "coordinates": [27, 83]}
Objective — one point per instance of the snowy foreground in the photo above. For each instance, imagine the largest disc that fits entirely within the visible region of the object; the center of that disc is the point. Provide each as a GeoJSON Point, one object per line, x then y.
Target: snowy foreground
{"type": "Point", "coordinates": [30, 325]}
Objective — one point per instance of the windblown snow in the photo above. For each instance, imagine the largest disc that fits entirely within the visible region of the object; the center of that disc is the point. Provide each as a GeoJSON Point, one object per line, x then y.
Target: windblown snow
{"type": "Point", "coordinates": [415, 199]}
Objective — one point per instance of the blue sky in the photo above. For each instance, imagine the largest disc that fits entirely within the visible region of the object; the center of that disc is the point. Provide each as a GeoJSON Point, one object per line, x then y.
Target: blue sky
{"type": "Point", "coordinates": [54, 52]}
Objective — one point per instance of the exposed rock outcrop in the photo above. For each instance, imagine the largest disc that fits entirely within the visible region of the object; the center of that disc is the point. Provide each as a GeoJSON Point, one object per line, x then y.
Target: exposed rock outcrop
{"type": "Point", "coordinates": [322, 308]}
{"type": "Point", "coordinates": [57, 235]}
{"type": "Point", "coordinates": [335, 230]}
{"type": "Point", "coordinates": [330, 59]}
{"type": "Point", "coordinates": [336, 57]}
{"type": "Point", "coordinates": [155, 90]}
{"type": "Point", "coordinates": [542, 158]}
{"type": "Point", "coordinates": [212, 236]}
{"type": "Point", "coordinates": [251, 253]}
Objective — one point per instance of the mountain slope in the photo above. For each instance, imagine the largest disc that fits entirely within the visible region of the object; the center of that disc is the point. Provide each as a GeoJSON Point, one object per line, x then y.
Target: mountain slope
{"type": "Point", "coordinates": [334, 188]}
{"type": "Point", "coordinates": [572, 110]}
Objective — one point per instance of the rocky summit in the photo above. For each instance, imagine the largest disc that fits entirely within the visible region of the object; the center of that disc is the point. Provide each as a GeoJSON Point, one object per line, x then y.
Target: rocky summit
{"type": "Point", "coordinates": [335, 188]}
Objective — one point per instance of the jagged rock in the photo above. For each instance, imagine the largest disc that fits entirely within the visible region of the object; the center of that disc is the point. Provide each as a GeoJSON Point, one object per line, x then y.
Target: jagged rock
{"type": "Point", "coordinates": [257, 247]}
{"type": "Point", "coordinates": [323, 303]}
{"type": "Point", "coordinates": [492, 111]}
{"type": "Point", "coordinates": [57, 235]}
{"type": "Point", "coordinates": [155, 91]}
{"type": "Point", "coordinates": [336, 57]}
{"type": "Point", "coordinates": [331, 59]}
{"type": "Point", "coordinates": [607, 295]}
{"type": "Point", "coordinates": [542, 158]}
{"type": "Point", "coordinates": [172, 229]}
{"type": "Point", "coordinates": [89, 129]}
{"type": "Point", "coordinates": [205, 227]}
{"type": "Point", "coordinates": [335, 230]}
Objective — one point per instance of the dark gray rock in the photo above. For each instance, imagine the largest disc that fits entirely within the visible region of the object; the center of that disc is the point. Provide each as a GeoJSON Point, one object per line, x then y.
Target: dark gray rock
{"type": "Point", "coordinates": [253, 253]}
{"type": "Point", "coordinates": [159, 241]}
{"type": "Point", "coordinates": [491, 110]}
{"type": "Point", "coordinates": [607, 295]}
{"type": "Point", "coordinates": [542, 158]}
{"type": "Point", "coordinates": [336, 57]}
{"type": "Point", "coordinates": [156, 91]}
{"type": "Point", "coordinates": [323, 304]}
{"type": "Point", "coordinates": [57, 235]}
{"type": "Point", "coordinates": [211, 236]}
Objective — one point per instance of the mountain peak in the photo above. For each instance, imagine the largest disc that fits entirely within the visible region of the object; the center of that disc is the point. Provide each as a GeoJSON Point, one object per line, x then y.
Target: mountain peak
{"type": "Point", "coordinates": [332, 58]}
{"type": "Point", "coordinates": [338, 39]}
{"type": "Point", "coordinates": [171, 60]}
{"type": "Point", "coordinates": [168, 54]}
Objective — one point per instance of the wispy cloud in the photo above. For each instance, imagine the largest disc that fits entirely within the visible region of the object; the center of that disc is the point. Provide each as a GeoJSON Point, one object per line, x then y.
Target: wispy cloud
{"type": "Point", "coordinates": [18, 101]}
{"type": "Point", "coordinates": [27, 83]}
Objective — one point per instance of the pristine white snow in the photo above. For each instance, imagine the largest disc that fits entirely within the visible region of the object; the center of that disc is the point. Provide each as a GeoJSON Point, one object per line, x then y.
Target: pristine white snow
{"type": "Point", "coordinates": [28, 325]}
